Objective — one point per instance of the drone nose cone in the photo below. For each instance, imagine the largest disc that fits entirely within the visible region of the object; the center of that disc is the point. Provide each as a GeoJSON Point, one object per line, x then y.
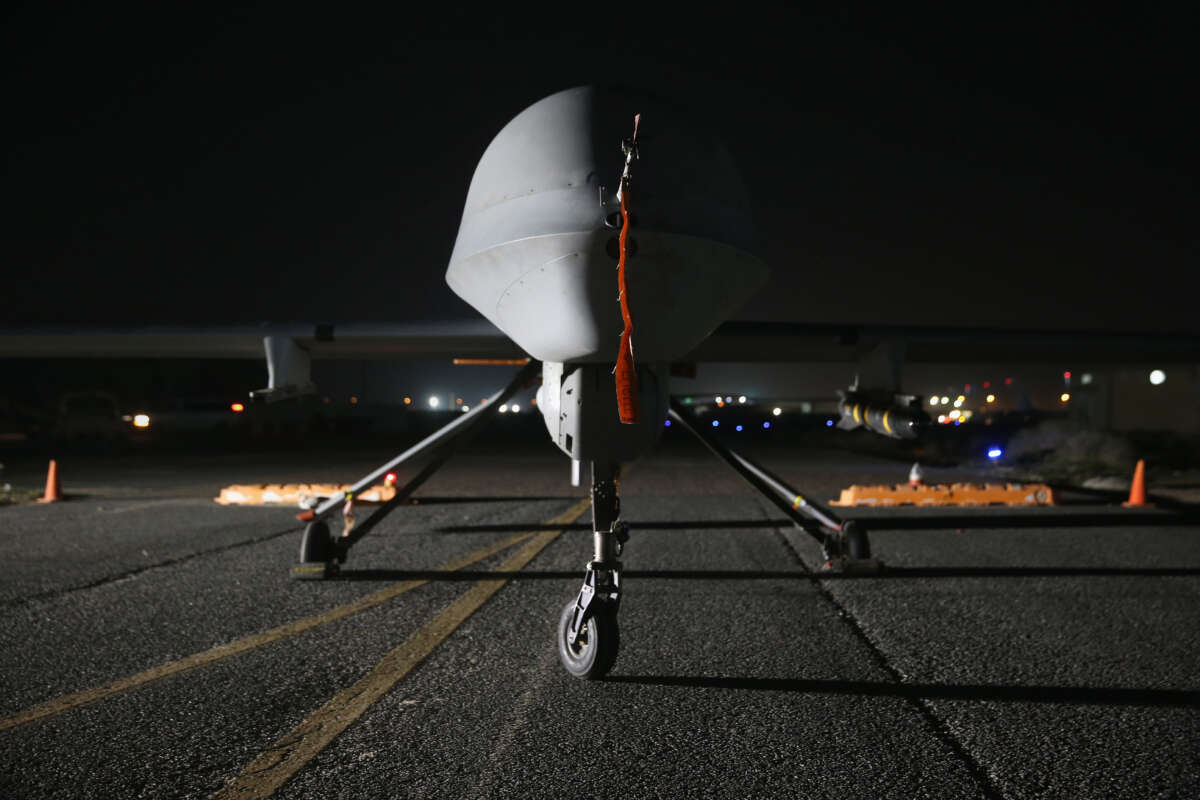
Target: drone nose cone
{"type": "Point", "coordinates": [534, 252]}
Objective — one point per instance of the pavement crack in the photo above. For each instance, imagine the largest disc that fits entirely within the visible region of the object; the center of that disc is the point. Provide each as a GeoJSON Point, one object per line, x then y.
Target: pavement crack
{"type": "Point", "coordinates": [133, 573]}
{"type": "Point", "coordinates": [922, 705]}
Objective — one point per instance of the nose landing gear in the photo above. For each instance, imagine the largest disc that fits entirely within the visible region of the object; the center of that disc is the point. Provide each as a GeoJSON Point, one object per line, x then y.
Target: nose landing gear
{"type": "Point", "coordinates": [588, 635]}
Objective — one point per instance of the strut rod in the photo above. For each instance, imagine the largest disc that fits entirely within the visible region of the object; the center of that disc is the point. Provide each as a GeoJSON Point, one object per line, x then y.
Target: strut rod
{"type": "Point", "coordinates": [814, 519]}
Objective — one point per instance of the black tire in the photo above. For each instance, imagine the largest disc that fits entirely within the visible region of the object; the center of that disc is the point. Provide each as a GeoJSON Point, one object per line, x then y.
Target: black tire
{"type": "Point", "coordinates": [316, 545]}
{"type": "Point", "coordinates": [855, 544]}
{"type": "Point", "coordinates": [595, 651]}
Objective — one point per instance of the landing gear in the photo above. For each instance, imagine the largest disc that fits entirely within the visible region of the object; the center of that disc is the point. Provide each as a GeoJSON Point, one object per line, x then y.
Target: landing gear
{"type": "Point", "coordinates": [588, 636]}
{"type": "Point", "coordinates": [318, 553]}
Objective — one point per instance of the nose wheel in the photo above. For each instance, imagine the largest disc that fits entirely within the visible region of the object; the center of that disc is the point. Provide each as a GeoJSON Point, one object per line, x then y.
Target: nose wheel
{"type": "Point", "coordinates": [594, 650]}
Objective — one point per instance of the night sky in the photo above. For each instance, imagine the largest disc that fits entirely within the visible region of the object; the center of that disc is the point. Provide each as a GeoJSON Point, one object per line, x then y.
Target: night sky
{"type": "Point", "coordinates": [180, 164]}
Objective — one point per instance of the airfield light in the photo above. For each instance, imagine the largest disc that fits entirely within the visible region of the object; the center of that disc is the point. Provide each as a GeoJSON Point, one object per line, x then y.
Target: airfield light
{"type": "Point", "coordinates": [1085, 378]}
{"type": "Point", "coordinates": [458, 401]}
{"type": "Point", "coordinates": [687, 401]}
{"type": "Point", "coordinates": [504, 408]}
{"type": "Point", "coordinates": [958, 422]}
{"type": "Point", "coordinates": [716, 423]}
{"type": "Point", "coordinates": [738, 429]}
{"type": "Point", "coordinates": [1157, 377]}
{"type": "Point", "coordinates": [967, 388]}
{"type": "Point", "coordinates": [1064, 397]}
{"type": "Point", "coordinates": [326, 400]}
{"type": "Point", "coordinates": [742, 398]}
{"type": "Point", "coordinates": [1067, 375]}
{"type": "Point", "coordinates": [408, 401]}
{"type": "Point", "coordinates": [766, 426]}
{"type": "Point", "coordinates": [828, 423]}
{"type": "Point", "coordinates": [941, 418]}
{"type": "Point", "coordinates": [533, 401]}
{"type": "Point", "coordinates": [720, 399]}
{"type": "Point", "coordinates": [966, 414]}
{"type": "Point", "coordinates": [237, 408]}
{"type": "Point", "coordinates": [353, 400]}
{"type": "Point", "coordinates": [776, 411]}
{"type": "Point", "coordinates": [516, 409]}
{"type": "Point", "coordinates": [961, 398]}
{"type": "Point", "coordinates": [955, 414]}
{"type": "Point", "coordinates": [994, 452]}
{"type": "Point", "coordinates": [390, 478]}
{"type": "Point", "coordinates": [1008, 381]}
{"type": "Point", "coordinates": [958, 402]}
{"type": "Point", "coordinates": [141, 420]}
{"type": "Point", "coordinates": [666, 423]}
{"type": "Point", "coordinates": [945, 401]}
{"type": "Point", "coordinates": [933, 401]}
{"type": "Point", "coordinates": [482, 400]}
{"type": "Point", "coordinates": [728, 399]}
{"type": "Point", "coordinates": [991, 398]}
{"type": "Point", "coordinates": [987, 384]}
{"type": "Point", "coordinates": [466, 408]}
{"type": "Point", "coordinates": [433, 401]}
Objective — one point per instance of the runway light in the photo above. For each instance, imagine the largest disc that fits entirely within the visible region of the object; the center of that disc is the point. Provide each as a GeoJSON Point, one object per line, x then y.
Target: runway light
{"type": "Point", "coordinates": [994, 453]}
{"type": "Point", "coordinates": [1064, 397]}
{"type": "Point", "coordinates": [738, 429]}
{"type": "Point", "coordinates": [1085, 378]}
{"type": "Point", "coordinates": [958, 422]}
{"type": "Point", "coordinates": [719, 399]}
{"type": "Point", "coordinates": [687, 401]}
{"type": "Point", "coordinates": [742, 398]}
{"type": "Point", "coordinates": [958, 402]}
{"type": "Point", "coordinates": [458, 401]}
{"type": "Point", "coordinates": [967, 388]}
{"type": "Point", "coordinates": [237, 408]}
{"type": "Point", "coordinates": [1008, 381]}
{"type": "Point", "coordinates": [466, 408]}
{"type": "Point", "coordinates": [828, 423]}
{"type": "Point", "coordinates": [1157, 377]}
{"type": "Point", "coordinates": [433, 402]}
{"type": "Point", "coordinates": [516, 409]}
{"type": "Point", "coordinates": [353, 401]}
{"type": "Point", "coordinates": [942, 418]}
{"type": "Point", "coordinates": [766, 426]}
{"type": "Point", "coordinates": [141, 420]}
{"type": "Point", "coordinates": [1067, 375]}
{"type": "Point", "coordinates": [991, 398]}
{"type": "Point", "coordinates": [955, 414]}
{"type": "Point", "coordinates": [933, 401]}
{"type": "Point", "coordinates": [945, 401]}
{"type": "Point", "coordinates": [776, 411]}
{"type": "Point", "coordinates": [666, 423]}
{"type": "Point", "coordinates": [987, 384]}
{"type": "Point", "coordinates": [716, 423]}
{"type": "Point", "coordinates": [504, 408]}
{"type": "Point", "coordinates": [408, 401]}
{"type": "Point", "coordinates": [728, 399]}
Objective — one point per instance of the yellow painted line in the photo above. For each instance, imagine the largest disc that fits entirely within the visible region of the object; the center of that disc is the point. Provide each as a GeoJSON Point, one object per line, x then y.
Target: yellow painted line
{"type": "Point", "coordinates": [295, 749]}
{"type": "Point", "coordinates": [68, 701]}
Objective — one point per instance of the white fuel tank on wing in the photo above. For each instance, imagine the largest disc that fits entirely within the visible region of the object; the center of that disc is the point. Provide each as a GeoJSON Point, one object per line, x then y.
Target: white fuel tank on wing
{"type": "Point", "coordinates": [536, 250]}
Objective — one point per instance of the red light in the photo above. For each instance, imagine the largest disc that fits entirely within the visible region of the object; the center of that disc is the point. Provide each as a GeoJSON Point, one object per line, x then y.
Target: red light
{"type": "Point", "coordinates": [967, 388]}
{"type": "Point", "coordinates": [1008, 381]}
{"type": "Point", "coordinates": [1067, 375]}
{"type": "Point", "coordinates": [390, 478]}
{"type": "Point", "coordinates": [987, 384]}
{"type": "Point", "coordinates": [237, 408]}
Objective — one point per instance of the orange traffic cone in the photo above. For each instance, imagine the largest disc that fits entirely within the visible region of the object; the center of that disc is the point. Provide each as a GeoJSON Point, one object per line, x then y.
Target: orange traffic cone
{"type": "Point", "coordinates": [1137, 491]}
{"type": "Point", "coordinates": [915, 476]}
{"type": "Point", "coordinates": [53, 490]}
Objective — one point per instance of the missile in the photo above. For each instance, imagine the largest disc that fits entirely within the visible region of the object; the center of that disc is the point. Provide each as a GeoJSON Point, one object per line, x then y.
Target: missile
{"type": "Point", "coordinates": [898, 416]}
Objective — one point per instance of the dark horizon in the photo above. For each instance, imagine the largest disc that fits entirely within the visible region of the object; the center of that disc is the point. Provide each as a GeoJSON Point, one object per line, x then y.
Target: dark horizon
{"type": "Point", "coordinates": [194, 167]}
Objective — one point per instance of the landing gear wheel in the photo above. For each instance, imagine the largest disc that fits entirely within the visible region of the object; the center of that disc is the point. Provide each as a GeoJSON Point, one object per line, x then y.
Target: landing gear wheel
{"type": "Point", "coordinates": [595, 651]}
{"type": "Point", "coordinates": [318, 553]}
{"type": "Point", "coordinates": [855, 544]}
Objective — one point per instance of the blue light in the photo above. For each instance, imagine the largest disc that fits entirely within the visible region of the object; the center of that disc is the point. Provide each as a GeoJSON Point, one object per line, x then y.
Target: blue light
{"type": "Point", "coordinates": [738, 429]}
{"type": "Point", "coordinates": [995, 452]}
{"type": "Point", "coordinates": [667, 423]}
{"type": "Point", "coordinates": [766, 426]}
{"type": "Point", "coordinates": [828, 423]}
{"type": "Point", "coordinates": [716, 422]}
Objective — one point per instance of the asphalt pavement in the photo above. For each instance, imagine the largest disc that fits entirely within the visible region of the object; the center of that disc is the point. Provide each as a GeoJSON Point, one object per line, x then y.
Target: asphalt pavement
{"type": "Point", "coordinates": [153, 644]}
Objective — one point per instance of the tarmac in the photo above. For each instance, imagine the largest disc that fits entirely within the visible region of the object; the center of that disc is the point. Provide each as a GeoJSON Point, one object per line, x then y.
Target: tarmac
{"type": "Point", "coordinates": [153, 644]}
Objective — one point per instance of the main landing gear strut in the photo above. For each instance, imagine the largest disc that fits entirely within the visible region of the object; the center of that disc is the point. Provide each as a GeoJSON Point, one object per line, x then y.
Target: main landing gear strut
{"type": "Point", "coordinates": [588, 634]}
{"type": "Point", "coordinates": [322, 553]}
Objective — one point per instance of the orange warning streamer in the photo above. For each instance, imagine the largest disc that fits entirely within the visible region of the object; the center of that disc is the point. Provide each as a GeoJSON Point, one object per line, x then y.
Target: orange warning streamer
{"type": "Point", "coordinates": [628, 406]}
{"type": "Point", "coordinates": [627, 386]}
